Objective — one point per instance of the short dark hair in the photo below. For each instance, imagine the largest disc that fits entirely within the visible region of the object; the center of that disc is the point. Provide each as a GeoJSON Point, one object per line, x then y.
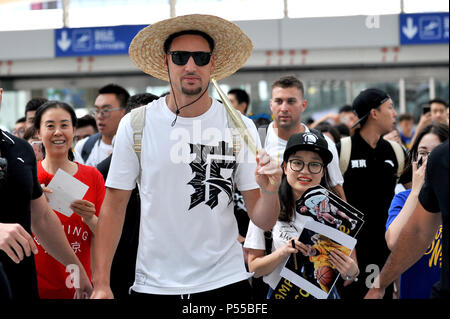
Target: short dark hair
{"type": "Point", "coordinates": [438, 100]}
{"type": "Point", "coordinates": [405, 117]}
{"type": "Point", "coordinates": [29, 133]}
{"type": "Point", "coordinates": [21, 120]}
{"type": "Point", "coordinates": [346, 108]}
{"type": "Point", "coordinates": [139, 100]}
{"type": "Point", "coordinates": [87, 120]}
{"type": "Point", "coordinates": [328, 127]}
{"type": "Point", "coordinates": [289, 81]}
{"type": "Point", "coordinates": [241, 96]}
{"type": "Point", "coordinates": [343, 129]}
{"type": "Point", "coordinates": [121, 94]}
{"type": "Point", "coordinates": [204, 35]}
{"type": "Point", "coordinates": [34, 104]}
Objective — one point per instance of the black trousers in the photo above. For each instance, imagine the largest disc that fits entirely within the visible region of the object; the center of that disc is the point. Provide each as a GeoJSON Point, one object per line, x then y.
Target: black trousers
{"type": "Point", "coordinates": [239, 291]}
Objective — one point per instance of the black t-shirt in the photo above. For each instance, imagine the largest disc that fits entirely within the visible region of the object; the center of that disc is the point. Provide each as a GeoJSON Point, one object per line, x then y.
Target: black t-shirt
{"type": "Point", "coordinates": [434, 198]}
{"type": "Point", "coordinates": [369, 185]}
{"type": "Point", "coordinates": [21, 187]}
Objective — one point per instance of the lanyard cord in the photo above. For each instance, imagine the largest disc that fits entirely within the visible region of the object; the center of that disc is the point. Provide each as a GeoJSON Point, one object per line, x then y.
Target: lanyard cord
{"type": "Point", "coordinates": [175, 99]}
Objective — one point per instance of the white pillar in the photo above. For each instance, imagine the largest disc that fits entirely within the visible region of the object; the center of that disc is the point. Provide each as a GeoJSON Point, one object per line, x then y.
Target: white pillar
{"type": "Point", "coordinates": [173, 4]}
{"type": "Point", "coordinates": [65, 7]}
{"type": "Point", "coordinates": [285, 9]}
{"type": "Point", "coordinates": [432, 88]}
{"type": "Point", "coordinates": [348, 92]}
{"type": "Point", "coordinates": [402, 95]}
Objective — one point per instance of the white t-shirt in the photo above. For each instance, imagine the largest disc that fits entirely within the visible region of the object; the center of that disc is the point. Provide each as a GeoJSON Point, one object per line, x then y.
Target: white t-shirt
{"type": "Point", "coordinates": [282, 232]}
{"type": "Point", "coordinates": [100, 151]}
{"type": "Point", "coordinates": [188, 232]}
{"type": "Point", "coordinates": [275, 147]}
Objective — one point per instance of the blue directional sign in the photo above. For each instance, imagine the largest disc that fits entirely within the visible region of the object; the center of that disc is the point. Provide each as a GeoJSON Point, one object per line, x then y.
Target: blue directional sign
{"type": "Point", "coordinates": [94, 41]}
{"type": "Point", "coordinates": [424, 28]}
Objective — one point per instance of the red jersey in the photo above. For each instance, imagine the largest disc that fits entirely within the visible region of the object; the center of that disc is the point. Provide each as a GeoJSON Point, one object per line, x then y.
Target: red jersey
{"type": "Point", "coordinates": [52, 275]}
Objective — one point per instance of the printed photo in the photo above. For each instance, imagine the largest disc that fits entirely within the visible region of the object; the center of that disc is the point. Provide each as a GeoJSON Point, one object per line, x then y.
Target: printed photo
{"type": "Point", "coordinates": [313, 271]}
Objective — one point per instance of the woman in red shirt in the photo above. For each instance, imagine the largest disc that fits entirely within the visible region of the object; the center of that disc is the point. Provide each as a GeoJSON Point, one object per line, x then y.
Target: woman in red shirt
{"type": "Point", "coordinates": [55, 122]}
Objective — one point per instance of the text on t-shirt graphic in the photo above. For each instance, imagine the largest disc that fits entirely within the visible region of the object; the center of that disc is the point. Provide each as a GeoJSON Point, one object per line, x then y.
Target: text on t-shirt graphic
{"type": "Point", "coordinates": [212, 168]}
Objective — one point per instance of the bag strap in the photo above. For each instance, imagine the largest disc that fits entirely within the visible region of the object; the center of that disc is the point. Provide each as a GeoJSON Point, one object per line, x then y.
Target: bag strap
{"type": "Point", "coordinates": [89, 145]}
{"type": "Point", "coordinates": [400, 155]}
{"type": "Point", "coordinates": [137, 121]}
{"type": "Point", "coordinates": [344, 154]}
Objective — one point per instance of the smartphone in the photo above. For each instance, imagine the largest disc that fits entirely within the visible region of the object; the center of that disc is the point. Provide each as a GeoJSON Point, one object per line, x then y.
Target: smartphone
{"type": "Point", "coordinates": [419, 162]}
{"type": "Point", "coordinates": [426, 109]}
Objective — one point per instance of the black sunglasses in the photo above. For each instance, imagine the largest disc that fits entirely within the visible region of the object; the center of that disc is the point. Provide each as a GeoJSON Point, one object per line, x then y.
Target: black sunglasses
{"type": "Point", "coordinates": [182, 57]}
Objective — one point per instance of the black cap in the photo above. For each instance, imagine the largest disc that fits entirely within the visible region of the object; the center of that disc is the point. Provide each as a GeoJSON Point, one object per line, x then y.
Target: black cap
{"type": "Point", "coordinates": [367, 100]}
{"type": "Point", "coordinates": [308, 141]}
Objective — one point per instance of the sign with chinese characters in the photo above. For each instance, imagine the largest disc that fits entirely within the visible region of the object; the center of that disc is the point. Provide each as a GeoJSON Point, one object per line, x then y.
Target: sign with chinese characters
{"type": "Point", "coordinates": [94, 41]}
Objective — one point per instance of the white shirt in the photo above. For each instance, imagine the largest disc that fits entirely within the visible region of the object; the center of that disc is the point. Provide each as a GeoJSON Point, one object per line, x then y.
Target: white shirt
{"type": "Point", "coordinates": [100, 151]}
{"type": "Point", "coordinates": [188, 232]}
{"type": "Point", "coordinates": [282, 233]}
{"type": "Point", "coordinates": [275, 147]}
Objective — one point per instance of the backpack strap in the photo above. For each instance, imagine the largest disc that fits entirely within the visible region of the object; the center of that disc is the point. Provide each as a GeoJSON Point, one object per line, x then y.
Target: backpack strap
{"type": "Point", "coordinates": [344, 154]}
{"type": "Point", "coordinates": [400, 155]}
{"type": "Point", "coordinates": [89, 145]}
{"type": "Point", "coordinates": [137, 121]}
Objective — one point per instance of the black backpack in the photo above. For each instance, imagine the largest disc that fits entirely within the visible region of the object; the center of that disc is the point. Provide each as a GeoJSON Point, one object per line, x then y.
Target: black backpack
{"type": "Point", "coordinates": [89, 145]}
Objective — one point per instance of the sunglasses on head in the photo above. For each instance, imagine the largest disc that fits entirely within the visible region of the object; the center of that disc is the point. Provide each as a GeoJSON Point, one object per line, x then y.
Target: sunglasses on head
{"type": "Point", "coordinates": [182, 57]}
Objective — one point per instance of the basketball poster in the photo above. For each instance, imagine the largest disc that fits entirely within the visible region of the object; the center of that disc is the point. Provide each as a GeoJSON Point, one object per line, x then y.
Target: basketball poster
{"type": "Point", "coordinates": [335, 225]}
{"type": "Point", "coordinates": [314, 273]}
{"type": "Point", "coordinates": [330, 210]}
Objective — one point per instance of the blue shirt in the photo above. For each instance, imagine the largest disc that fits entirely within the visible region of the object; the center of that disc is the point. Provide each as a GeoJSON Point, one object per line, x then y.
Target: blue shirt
{"type": "Point", "coordinates": [417, 281]}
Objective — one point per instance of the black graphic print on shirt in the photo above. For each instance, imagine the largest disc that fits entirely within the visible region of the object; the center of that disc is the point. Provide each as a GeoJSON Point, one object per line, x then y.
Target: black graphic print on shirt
{"type": "Point", "coordinates": [210, 165]}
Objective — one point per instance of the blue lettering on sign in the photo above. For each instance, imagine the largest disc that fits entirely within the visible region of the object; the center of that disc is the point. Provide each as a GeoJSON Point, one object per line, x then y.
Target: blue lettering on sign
{"type": "Point", "coordinates": [94, 41]}
{"type": "Point", "coordinates": [424, 28]}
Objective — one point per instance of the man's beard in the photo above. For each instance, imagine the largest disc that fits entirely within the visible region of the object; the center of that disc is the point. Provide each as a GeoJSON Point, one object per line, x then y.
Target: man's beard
{"type": "Point", "coordinates": [288, 125]}
{"type": "Point", "coordinates": [191, 92]}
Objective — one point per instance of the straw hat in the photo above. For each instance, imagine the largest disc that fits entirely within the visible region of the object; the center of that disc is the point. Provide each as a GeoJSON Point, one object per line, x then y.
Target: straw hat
{"type": "Point", "coordinates": [232, 47]}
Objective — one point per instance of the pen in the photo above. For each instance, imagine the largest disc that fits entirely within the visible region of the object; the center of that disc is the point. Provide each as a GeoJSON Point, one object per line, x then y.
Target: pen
{"type": "Point", "coordinates": [294, 255]}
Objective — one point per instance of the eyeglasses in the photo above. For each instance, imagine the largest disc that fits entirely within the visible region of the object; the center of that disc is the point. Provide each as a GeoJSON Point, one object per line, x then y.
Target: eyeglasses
{"type": "Point", "coordinates": [104, 113]}
{"type": "Point", "coordinates": [313, 167]}
{"type": "Point", "coordinates": [423, 154]}
{"type": "Point", "coordinates": [182, 57]}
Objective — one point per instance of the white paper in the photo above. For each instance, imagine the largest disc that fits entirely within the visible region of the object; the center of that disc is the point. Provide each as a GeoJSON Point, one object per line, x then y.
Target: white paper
{"type": "Point", "coordinates": [66, 189]}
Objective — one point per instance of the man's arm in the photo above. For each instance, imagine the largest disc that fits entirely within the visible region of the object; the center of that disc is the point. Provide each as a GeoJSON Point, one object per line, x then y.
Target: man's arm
{"type": "Point", "coordinates": [48, 229]}
{"type": "Point", "coordinates": [107, 236]}
{"type": "Point", "coordinates": [263, 205]}
{"type": "Point", "coordinates": [340, 191]}
{"type": "Point", "coordinates": [411, 244]}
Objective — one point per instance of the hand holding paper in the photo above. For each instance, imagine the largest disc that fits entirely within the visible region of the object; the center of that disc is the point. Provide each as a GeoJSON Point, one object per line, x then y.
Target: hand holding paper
{"type": "Point", "coordinates": [65, 190]}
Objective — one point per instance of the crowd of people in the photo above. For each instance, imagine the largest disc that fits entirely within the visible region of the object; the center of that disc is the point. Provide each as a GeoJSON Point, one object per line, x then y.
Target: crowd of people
{"type": "Point", "coordinates": [179, 203]}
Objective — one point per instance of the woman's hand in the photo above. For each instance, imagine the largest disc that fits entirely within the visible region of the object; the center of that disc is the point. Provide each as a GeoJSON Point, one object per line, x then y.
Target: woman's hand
{"type": "Point", "coordinates": [86, 210]}
{"type": "Point", "coordinates": [345, 265]}
{"type": "Point", "coordinates": [287, 249]}
{"type": "Point", "coordinates": [45, 189]}
{"type": "Point", "coordinates": [418, 176]}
